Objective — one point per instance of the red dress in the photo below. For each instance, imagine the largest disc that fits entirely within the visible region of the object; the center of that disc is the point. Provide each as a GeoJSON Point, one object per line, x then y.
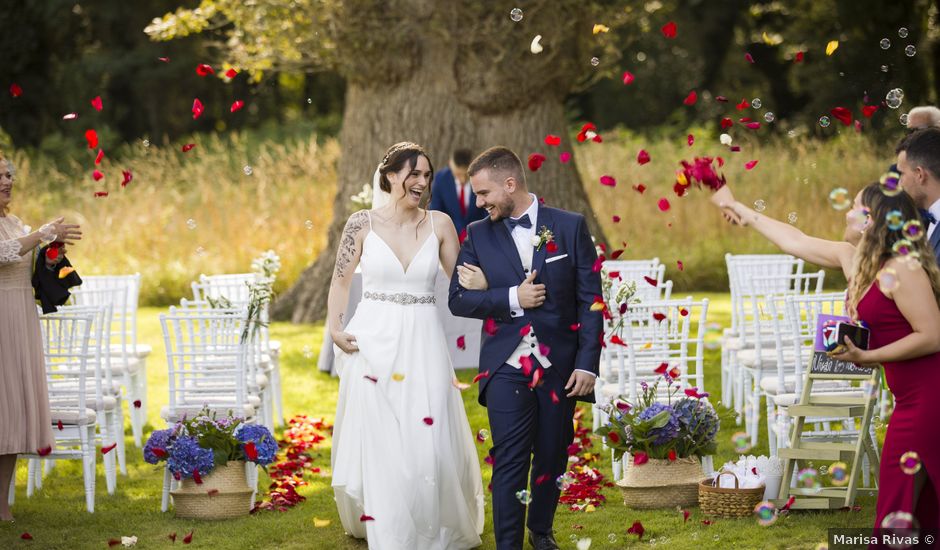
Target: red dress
{"type": "Point", "coordinates": [915, 384]}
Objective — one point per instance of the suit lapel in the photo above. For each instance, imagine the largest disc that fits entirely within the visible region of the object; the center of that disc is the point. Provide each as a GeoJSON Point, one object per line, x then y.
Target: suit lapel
{"type": "Point", "coordinates": [508, 246]}
{"type": "Point", "coordinates": [935, 242]}
{"type": "Point", "coordinates": [544, 219]}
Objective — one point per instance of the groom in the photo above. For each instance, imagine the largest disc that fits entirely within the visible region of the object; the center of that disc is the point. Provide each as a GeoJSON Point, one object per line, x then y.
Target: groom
{"type": "Point", "coordinates": [541, 342]}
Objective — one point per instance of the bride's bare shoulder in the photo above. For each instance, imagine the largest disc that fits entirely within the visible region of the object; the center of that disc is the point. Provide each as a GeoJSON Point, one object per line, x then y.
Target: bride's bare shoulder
{"type": "Point", "coordinates": [357, 223]}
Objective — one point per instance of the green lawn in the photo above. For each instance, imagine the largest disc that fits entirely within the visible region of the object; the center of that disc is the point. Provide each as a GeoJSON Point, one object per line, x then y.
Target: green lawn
{"type": "Point", "coordinates": [56, 517]}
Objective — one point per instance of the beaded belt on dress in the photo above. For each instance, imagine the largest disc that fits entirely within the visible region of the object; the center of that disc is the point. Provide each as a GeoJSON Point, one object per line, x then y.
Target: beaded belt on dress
{"type": "Point", "coordinates": [404, 298]}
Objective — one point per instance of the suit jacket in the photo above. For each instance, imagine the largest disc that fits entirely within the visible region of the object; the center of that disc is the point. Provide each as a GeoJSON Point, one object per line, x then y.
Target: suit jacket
{"type": "Point", "coordinates": [564, 322]}
{"type": "Point", "coordinates": [444, 197]}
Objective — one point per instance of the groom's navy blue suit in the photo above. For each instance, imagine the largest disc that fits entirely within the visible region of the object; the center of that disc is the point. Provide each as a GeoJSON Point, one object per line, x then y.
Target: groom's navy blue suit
{"type": "Point", "coordinates": [531, 424]}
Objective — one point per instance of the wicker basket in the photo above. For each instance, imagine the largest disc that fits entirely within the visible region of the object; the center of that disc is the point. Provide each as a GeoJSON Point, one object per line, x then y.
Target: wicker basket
{"type": "Point", "coordinates": [728, 503]}
{"type": "Point", "coordinates": [223, 494]}
{"type": "Point", "coordinates": [661, 483]}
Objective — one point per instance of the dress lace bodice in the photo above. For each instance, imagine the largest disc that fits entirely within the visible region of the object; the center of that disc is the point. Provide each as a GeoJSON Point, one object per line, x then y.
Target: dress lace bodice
{"type": "Point", "coordinates": [15, 270]}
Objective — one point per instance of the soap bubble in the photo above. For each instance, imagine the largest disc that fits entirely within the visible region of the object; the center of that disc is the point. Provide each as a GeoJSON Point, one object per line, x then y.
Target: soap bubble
{"type": "Point", "coordinates": [766, 513]}
{"type": "Point", "coordinates": [483, 435]}
{"type": "Point", "coordinates": [913, 230]}
{"type": "Point", "coordinates": [516, 15]}
{"type": "Point", "coordinates": [891, 184]}
{"type": "Point", "coordinates": [899, 520]}
{"type": "Point", "coordinates": [910, 463]}
{"type": "Point", "coordinates": [903, 119]}
{"type": "Point", "coordinates": [857, 219]}
{"type": "Point", "coordinates": [191, 223]}
{"type": "Point", "coordinates": [894, 219]}
{"type": "Point", "coordinates": [564, 481]}
{"type": "Point", "coordinates": [885, 43]}
{"type": "Point", "coordinates": [307, 352]}
{"type": "Point", "coordinates": [902, 32]}
{"type": "Point", "coordinates": [741, 442]}
{"type": "Point", "coordinates": [146, 143]}
{"type": "Point", "coordinates": [595, 61]}
{"type": "Point", "coordinates": [308, 224]}
{"type": "Point", "coordinates": [884, 68]}
{"type": "Point", "coordinates": [756, 103]}
{"type": "Point", "coordinates": [247, 169]}
{"type": "Point", "coordinates": [524, 497]}
{"type": "Point", "coordinates": [309, 101]}
{"type": "Point", "coordinates": [808, 478]}
{"type": "Point", "coordinates": [792, 217]}
{"type": "Point", "coordinates": [612, 538]}
{"type": "Point", "coordinates": [760, 205]}
{"type": "Point", "coordinates": [839, 198]}
{"type": "Point", "coordinates": [769, 117]}
{"type": "Point", "coordinates": [888, 279]}
{"type": "Point", "coordinates": [824, 121]}
{"type": "Point", "coordinates": [910, 50]}
{"type": "Point", "coordinates": [200, 251]}
{"type": "Point", "coordinates": [839, 474]}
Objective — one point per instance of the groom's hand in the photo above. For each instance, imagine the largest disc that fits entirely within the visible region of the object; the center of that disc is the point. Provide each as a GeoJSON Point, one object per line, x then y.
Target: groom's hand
{"type": "Point", "coordinates": [531, 295]}
{"type": "Point", "coordinates": [580, 383]}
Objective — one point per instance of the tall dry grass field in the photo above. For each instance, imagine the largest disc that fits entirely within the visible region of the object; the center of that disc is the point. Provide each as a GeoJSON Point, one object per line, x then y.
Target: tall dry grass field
{"type": "Point", "coordinates": [235, 216]}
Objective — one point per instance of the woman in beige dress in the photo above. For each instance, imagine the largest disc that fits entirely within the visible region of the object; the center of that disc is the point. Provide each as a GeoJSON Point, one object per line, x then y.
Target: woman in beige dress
{"type": "Point", "coordinates": [25, 421]}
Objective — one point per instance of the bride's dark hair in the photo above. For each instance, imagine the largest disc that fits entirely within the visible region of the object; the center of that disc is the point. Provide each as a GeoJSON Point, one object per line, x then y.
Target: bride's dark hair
{"type": "Point", "coordinates": [396, 157]}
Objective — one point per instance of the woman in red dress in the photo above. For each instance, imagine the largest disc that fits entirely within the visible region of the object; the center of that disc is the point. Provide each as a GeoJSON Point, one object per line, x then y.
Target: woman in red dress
{"type": "Point", "coordinates": [895, 289]}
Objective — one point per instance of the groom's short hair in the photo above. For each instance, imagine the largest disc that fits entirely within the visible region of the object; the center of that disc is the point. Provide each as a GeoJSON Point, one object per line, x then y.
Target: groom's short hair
{"type": "Point", "coordinates": [923, 149]}
{"type": "Point", "coordinates": [501, 161]}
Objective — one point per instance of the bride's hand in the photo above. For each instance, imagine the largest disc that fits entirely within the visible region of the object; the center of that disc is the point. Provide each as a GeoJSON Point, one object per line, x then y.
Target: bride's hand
{"type": "Point", "coordinates": [346, 342]}
{"type": "Point", "coordinates": [460, 385]}
{"type": "Point", "coordinates": [471, 277]}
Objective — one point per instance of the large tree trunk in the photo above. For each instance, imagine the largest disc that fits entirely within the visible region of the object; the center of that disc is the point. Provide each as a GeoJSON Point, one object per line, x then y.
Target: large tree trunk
{"type": "Point", "coordinates": [451, 96]}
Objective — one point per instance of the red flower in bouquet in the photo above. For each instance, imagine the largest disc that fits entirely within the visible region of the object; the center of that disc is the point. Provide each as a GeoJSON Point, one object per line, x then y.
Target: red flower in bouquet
{"type": "Point", "coordinates": [702, 172]}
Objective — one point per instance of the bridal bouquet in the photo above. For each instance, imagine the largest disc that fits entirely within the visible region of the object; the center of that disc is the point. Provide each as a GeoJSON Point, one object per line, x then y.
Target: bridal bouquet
{"type": "Point", "coordinates": [193, 447]}
{"type": "Point", "coordinates": [678, 428]}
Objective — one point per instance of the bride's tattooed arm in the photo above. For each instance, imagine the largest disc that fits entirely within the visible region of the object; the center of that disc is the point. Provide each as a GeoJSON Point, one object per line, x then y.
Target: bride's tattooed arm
{"type": "Point", "coordinates": [347, 258]}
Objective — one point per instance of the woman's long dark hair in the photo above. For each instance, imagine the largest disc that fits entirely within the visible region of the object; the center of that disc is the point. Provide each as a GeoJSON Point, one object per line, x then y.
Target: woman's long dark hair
{"type": "Point", "coordinates": [396, 157]}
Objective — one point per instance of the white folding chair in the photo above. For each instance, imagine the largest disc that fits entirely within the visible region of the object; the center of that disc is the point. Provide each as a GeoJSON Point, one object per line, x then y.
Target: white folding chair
{"type": "Point", "coordinates": [128, 356]}
{"type": "Point", "coordinates": [207, 362]}
{"type": "Point", "coordinates": [66, 350]}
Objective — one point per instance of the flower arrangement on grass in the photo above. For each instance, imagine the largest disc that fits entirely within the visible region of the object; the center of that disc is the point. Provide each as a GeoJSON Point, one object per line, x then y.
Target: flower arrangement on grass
{"type": "Point", "coordinates": [193, 447]}
{"type": "Point", "coordinates": [680, 427]}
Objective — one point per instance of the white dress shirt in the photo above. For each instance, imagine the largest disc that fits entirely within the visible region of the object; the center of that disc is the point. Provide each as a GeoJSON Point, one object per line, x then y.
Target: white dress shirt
{"type": "Point", "coordinates": [935, 211]}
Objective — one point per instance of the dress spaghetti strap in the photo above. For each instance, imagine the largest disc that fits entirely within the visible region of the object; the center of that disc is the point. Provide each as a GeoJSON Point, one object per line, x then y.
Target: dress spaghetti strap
{"type": "Point", "coordinates": [369, 215]}
{"type": "Point", "coordinates": [431, 213]}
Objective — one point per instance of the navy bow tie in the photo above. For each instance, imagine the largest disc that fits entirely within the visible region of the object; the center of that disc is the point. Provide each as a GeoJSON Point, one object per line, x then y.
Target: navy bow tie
{"type": "Point", "coordinates": [524, 222]}
{"type": "Point", "coordinates": [928, 217]}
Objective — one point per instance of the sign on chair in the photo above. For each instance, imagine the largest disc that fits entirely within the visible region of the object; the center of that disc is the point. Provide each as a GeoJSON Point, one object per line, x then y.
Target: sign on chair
{"type": "Point", "coordinates": [847, 403]}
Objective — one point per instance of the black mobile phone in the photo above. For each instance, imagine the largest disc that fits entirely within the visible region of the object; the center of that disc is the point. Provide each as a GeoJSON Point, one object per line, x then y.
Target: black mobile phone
{"type": "Point", "coordinates": [857, 334]}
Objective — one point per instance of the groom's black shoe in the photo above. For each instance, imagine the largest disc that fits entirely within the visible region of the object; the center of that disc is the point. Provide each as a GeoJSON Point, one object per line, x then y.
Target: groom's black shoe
{"type": "Point", "coordinates": [543, 542]}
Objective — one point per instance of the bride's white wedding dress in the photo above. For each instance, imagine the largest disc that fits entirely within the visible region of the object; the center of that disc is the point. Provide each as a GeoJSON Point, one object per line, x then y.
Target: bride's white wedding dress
{"type": "Point", "coordinates": [405, 471]}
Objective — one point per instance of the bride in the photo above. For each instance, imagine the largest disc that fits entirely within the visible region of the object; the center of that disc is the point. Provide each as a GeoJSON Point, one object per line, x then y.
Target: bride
{"type": "Point", "coordinates": [405, 470]}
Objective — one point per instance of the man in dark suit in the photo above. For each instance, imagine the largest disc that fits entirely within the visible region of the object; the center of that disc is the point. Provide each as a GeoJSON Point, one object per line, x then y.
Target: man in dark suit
{"type": "Point", "coordinates": [541, 342]}
{"type": "Point", "coordinates": [451, 192]}
{"type": "Point", "coordinates": [919, 166]}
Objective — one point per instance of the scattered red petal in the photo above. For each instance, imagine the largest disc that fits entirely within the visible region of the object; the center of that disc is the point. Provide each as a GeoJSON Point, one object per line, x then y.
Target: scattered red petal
{"type": "Point", "coordinates": [663, 204]}
{"type": "Point", "coordinates": [726, 123]}
{"type": "Point", "coordinates": [96, 103]}
{"type": "Point", "coordinates": [91, 137]}
{"type": "Point", "coordinates": [575, 327]}
{"type": "Point", "coordinates": [99, 157]}
{"type": "Point", "coordinates": [114, 542]}
{"type": "Point", "coordinates": [614, 437]}
{"type": "Point", "coordinates": [15, 90]}
{"type": "Point", "coordinates": [231, 73]}
{"type": "Point", "coordinates": [669, 30]}
{"type": "Point", "coordinates": [735, 148]}
{"type": "Point", "coordinates": [616, 219]}
{"type": "Point", "coordinates": [480, 376]}
{"type": "Point", "coordinates": [251, 451]}
{"type": "Point", "coordinates": [690, 140]}
{"type": "Point", "coordinates": [535, 161]}
{"type": "Point", "coordinates": [525, 362]}
{"type": "Point", "coordinates": [798, 58]}
{"type": "Point", "coordinates": [640, 459]}
{"type": "Point", "coordinates": [628, 78]}
{"type": "Point", "coordinates": [685, 516]}
{"type": "Point", "coordinates": [188, 147]}
{"type": "Point", "coordinates": [536, 377]}
{"type": "Point", "coordinates": [59, 425]}
{"type": "Point", "coordinates": [617, 340]}
{"type": "Point", "coordinates": [52, 253]}
{"type": "Point", "coordinates": [743, 105]}
{"type": "Point", "coordinates": [672, 455]}
{"type": "Point", "coordinates": [750, 165]}
{"type": "Point", "coordinates": [212, 492]}
{"type": "Point", "coordinates": [616, 253]}
{"type": "Point", "coordinates": [428, 420]}
{"type": "Point", "coordinates": [636, 529]}
{"type": "Point", "coordinates": [552, 140]}
{"type": "Point", "coordinates": [204, 70]}
{"type": "Point", "coordinates": [691, 98]}
{"type": "Point", "coordinates": [237, 106]}
{"type": "Point", "coordinates": [108, 449]}
{"type": "Point", "coordinates": [197, 477]}
{"type": "Point", "coordinates": [461, 342]}
{"type": "Point", "coordinates": [364, 517]}
{"type": "Point", "coordinates": [544, 349]}
{"type": "Point", "coordinates": [564, 157]}
{"type": "Point", "coordinates": [639, 188]}
{"type": "Point", "coordinates": [650, 280]}
{"type": "Point", "coordinates": [70, 116]}
{"type": "Point", "coordinates": [26, 536]}
{"type": "Point", "coordinates": [858, 126]}
{"type": "Point", "coordinates": [683, 312]}
{"type": "Point", "coordinates": [753, 125]}
{"type": "Point", "coordinates": [551, 247]}
{"type": "Point", "coordinates": [188, 538]}
{"type": "Point", "coordinates": [588, 128]}
{"type": "Point", "coordinates": [97, 175]}
{"type": "Point", "coordinates": [160, 453]}
{"type": "Point", "coordinates": [642, 157]}
{"type": "Point", "coordinates": [869, 110]}
{"type": "Point", "coordinates": [609, 181]}
{"type": "Point", "coordinates": [789, 503]}
{"type": "Point", "coordinates": [128, 176]}
{"type": "Point", "coordinates": [844, 115]}
{"type": "Point", "coordinates": [659, 316]}
{"type": "Point", "coordinates": [197, 108]}
{"type": "Point", "coordinates": [542, 479]}
{"type": "Point", "coordinates": [680, 265]}
{"type": "Point", "coordinates": [598, 264]}
{"type": "Point", "coordinates": [749, 58]}
{"type": "Point", "coordinates": [489, 326]}
{"type": "Point", "coordinates": [707, 522]}
{"type": "Point", "coordinates": [554, 397]}
{"type": "Point", "coordinates": [721, 99]}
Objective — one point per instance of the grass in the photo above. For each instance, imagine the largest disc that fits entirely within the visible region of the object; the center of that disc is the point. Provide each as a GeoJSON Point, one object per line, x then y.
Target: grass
{"type": "Point", "coordinates": [286, 203]}
{"type": "Point", "coordinates": [56, 517]}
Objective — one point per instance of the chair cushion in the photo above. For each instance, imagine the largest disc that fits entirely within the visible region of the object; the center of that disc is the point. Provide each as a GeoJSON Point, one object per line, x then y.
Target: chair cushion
{"type": "Point", "coordinates": [771, 384]}
{"type": "Point", "coordinates": [70, 418]}
{"type": "Point", "coordinates": [133, 365]}
{"type": "Point", "coordinates": [108, 403]}
{"type": "Point", "coordinates": [768, 358]}
{"type": "Point", "coordinates": [190, 411]}
{"type": "Point", "coordinates": [140, 350]}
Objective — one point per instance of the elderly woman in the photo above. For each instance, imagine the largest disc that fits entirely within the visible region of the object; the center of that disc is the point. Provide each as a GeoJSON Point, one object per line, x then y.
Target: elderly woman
{"type": "Point", "coordinates": [25, 421]}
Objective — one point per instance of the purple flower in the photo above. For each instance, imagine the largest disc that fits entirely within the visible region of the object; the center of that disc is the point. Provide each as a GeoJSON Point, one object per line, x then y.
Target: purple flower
{"type": "Point", "coordinates": [669, 431]}
{"type": "Point", "coordinates": [156, 448]}
{"type": "Point", "coordinates": [265, 445]}
{"type": "Point", "coordinates": [186, 456]}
